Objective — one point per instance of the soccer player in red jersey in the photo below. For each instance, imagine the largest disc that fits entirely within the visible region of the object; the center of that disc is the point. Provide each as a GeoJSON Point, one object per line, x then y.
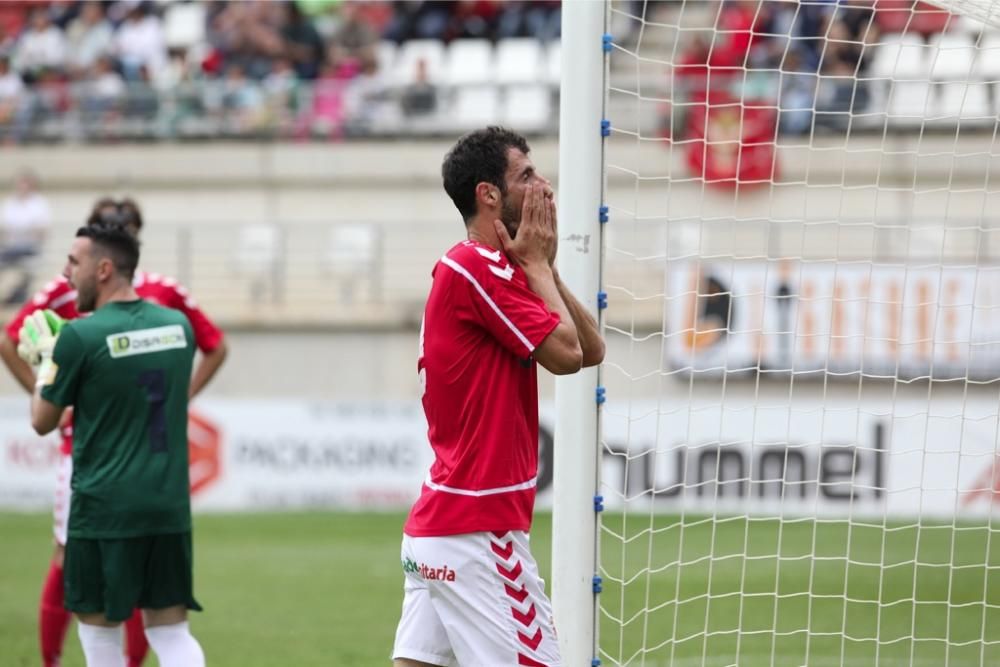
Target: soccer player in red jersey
{"type": "Point", "coordinates": [60, 297]}
{"type": "Point", "coordinates": [472, 592]}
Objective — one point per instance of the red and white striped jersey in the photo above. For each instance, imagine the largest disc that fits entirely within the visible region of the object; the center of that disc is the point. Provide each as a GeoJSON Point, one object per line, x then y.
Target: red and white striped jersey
{"type": "Point", "coordinates": [168, 293]}
{"type": "Point", "coordinates": [60, 297]}
{"type": "Point", "coordinates": [481, 325]}
{"type": "Point", "coordinates": [56, 296]}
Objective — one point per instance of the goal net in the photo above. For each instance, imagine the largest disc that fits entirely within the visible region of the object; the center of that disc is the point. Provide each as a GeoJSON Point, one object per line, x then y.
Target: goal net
{"type": "Point", "coordinates": [802, 265]}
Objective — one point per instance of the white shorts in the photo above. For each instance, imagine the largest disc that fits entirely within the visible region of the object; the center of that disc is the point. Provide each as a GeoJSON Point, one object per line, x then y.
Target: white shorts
{"type": "Point", "coordinates": [474, 600]}
{"type": "Point", "coordinates": [60, 508]}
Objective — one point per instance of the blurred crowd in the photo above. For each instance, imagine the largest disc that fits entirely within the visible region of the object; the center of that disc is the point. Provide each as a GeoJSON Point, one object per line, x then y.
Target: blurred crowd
{"type": "Point", "coordinates": [303, 67]}
{"type": "Point", "coordinates": [318, 68]}
{"type": "Point", "coordinates": [812, 58]}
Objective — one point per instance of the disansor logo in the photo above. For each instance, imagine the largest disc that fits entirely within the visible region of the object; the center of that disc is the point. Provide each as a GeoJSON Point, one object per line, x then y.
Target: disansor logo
{"type": "Point", "coordinates": [145, 341]}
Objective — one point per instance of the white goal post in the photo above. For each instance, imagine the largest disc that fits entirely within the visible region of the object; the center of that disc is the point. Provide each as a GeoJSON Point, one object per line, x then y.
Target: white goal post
{"type": "Point", "coordinates": [576, 454]}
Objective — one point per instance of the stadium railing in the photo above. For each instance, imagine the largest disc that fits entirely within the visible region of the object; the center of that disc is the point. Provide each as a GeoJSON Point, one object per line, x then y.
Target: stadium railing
{"type": "Point", "coordinates": [376, 273]}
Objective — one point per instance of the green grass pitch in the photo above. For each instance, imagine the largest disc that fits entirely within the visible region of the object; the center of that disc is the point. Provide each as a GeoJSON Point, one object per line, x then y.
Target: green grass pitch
{"type": "Point", "coordinates": [325, 589]}
{"type": "Point", "coordinates": [759, 592]}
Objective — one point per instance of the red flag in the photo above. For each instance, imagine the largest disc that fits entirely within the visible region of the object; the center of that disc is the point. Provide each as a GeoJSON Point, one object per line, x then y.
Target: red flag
{"type": "Point", "coordinates": [731, 141]}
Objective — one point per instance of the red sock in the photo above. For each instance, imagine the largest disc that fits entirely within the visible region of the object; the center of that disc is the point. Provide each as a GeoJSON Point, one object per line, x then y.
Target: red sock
{"type": "Point", "coordinates": [53, 619]}
{"type": "Point", "coordinates": [136, 645]}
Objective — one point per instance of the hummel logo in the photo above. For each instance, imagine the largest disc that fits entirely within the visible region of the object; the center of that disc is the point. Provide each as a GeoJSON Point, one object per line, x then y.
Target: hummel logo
{"type": "Point", "coordinates": [492, 256]}
{"type": "Point", "coordinates": [506, 273]}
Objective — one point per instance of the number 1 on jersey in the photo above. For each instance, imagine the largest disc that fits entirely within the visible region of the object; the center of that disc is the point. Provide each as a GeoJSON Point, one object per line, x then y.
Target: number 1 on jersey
{"type": "Point", "coordinates": [154, 382]}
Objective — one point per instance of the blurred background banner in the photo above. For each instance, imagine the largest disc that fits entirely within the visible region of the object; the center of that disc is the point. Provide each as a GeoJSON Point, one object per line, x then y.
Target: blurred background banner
{"type": "Point", "coordinates": [897, 457]}
{"type": "Point", "coordinates": [900, 456]}
{"type": "Point", "coordinates": [823, 320]}
{"type": "Point", "coordinates": [260, 455]}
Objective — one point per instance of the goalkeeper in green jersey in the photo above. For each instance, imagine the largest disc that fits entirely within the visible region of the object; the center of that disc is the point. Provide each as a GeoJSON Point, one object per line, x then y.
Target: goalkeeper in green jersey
{"type": "Point", "coordinates": [126, 370]}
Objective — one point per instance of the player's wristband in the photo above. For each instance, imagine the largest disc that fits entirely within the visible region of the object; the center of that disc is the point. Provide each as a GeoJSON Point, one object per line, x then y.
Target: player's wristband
{"type": "Point", "coordinates": [46, 373]}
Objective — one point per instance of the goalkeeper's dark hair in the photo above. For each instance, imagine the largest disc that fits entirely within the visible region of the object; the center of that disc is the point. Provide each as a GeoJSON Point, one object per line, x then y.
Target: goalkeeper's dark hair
{"type": "Point", "coordinates": [114, 241]}
{"type": "Point", "coordinates": [109, 210]}
{"type": "Point", "coordinates": [478, 157]}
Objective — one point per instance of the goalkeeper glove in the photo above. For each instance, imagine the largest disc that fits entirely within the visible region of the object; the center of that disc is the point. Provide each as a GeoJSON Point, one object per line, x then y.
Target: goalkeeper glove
{"type": "Point", "coordinates": [38, 336]}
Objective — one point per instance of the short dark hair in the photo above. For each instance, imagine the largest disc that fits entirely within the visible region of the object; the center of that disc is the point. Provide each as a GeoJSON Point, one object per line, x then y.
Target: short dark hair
{"type": "Point", "coordinates": [114, 239]}
{"type": "Point", "coordinates": [108, 210]}
{"type": "Point", "coordinates": [478, 157]}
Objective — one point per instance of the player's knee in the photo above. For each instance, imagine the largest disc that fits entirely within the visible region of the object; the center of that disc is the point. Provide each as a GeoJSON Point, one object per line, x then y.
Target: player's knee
{"type": "Point", "coordinates": [97, 620]}
{"type": "Point", "coordinates": [102, 644]}
{"type": "Point", "coordinates": [152, 618]}
{"type": "Point", "coordinates": [175, 646]}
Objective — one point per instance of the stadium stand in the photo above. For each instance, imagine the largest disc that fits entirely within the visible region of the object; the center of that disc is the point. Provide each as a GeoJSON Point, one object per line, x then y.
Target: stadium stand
{"type": "Point", "coordinates": [177, 70]}
{"type": "Point", "coordinates": [198, 70]}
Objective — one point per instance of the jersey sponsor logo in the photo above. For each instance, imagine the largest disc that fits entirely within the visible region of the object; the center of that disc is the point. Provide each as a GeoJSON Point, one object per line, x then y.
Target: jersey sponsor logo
{"type": "Point", "coordinates": [146, 341]}
{"type": "Point", "coordinates": [443, 573]}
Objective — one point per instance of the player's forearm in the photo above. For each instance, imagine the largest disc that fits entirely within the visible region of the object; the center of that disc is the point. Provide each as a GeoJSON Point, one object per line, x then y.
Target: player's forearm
{"type": "Point", "coordinates": [208, 366]}
{"type": "Point", "coordinates": [542, 281]}
{"type": "Point", "coordinates": [587, 329]}
{"type": "Point", "coordinates": [560, 352]}
{"type": "Point", "coordinates": [44, 415]}
{"type": "Point", "coordinates": [16, 365]}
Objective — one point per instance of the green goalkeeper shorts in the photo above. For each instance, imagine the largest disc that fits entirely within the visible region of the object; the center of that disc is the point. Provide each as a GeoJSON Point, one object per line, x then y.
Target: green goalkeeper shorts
{"type": "Point", "coordinates": [114, 577]}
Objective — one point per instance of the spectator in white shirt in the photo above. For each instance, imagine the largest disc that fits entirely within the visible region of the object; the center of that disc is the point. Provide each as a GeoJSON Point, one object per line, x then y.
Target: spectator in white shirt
{"type": "Point", "coordinates": [88, 37]}
{"type": "Point", "coordinates": [104, 89]}
{"type": "Point", "coordinates": [41, 47]}
{"type": "Point", "coordinates": [140, 42]}
{"type": "Point", "coordinates": [25, 222]}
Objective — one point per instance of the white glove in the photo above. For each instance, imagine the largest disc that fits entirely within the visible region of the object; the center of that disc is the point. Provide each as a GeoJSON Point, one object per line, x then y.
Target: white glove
{"type": "Point", "coordinates": [38, 336]}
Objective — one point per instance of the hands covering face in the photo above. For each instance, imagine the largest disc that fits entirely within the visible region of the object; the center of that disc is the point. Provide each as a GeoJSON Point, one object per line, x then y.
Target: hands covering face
{"type": "Point", "coordinates": [537, 236]}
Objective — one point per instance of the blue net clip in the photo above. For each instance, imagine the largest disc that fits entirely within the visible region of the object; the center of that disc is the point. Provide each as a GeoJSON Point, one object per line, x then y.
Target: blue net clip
{"type": "Point", "coordinates": [596, 583]}
{"type": "Point", "coordinates": [596, 662]}
{"type": "Point", "coordinates": [602, 214]}
{"type": "Point", "coordinates": [598, 503]}
{"type": "Point", "coordinates": [602, 300]}
{"type": "Point", "coordinates": [606, 42]}
{"type": "Point", "coordinates": [605, 128]}
{"type": "Point", "coordinates": [600, 395]}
